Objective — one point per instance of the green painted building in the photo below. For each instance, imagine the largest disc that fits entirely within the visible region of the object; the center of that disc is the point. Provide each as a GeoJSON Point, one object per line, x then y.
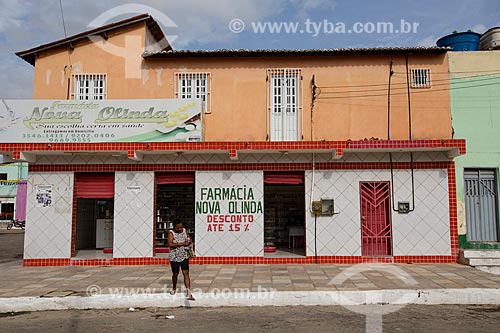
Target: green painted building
{"type": "Point", "coordinates": [475, 109]}
{"type": "Point", "coordinates": [10, 175]}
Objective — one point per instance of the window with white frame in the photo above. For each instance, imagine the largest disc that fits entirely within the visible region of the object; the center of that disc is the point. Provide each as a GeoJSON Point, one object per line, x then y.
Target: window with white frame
{"type": "Point", "coordinates": [194, 85]}
{"type": "Point", "coordinates": [420, 78]}
{"type": "Point", "coordinates": [284, 103]}
{"type": "Point", "coordinates": [89, 86]}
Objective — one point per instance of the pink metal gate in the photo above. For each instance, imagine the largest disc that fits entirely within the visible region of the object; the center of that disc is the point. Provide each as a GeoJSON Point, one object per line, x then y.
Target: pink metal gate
{"type": "Point", "coordinates": [376, 229]}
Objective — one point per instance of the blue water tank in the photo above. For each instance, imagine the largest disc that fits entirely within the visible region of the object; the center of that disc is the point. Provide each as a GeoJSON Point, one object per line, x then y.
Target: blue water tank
{"type": "Point", "coordinates": [461, 41]}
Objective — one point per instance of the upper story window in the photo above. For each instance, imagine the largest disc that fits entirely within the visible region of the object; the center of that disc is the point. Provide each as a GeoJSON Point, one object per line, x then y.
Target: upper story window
{"type": "Point", "coordinates": [285, 103]}
{"type": "Point", "coordinates": [89, 86]}
{"type": "Point", "coordinates": [420, 78]}
{"type": "Point", "coordinates": [194, 85]}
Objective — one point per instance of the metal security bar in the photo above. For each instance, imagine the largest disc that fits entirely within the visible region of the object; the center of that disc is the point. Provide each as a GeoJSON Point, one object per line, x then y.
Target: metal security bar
{"type": "Point", "coordinates": [420, 78]}
{"type": "Point", "coordinates": [481, 205]}
{"type": "Point", "coordinates": [194, 85]}
{"type": "Point", "coordinates": [89, 86]}
{"type": "Point", "coordinates": [284, 103]}
{"type": "Point", "coordinates": [376, 226]}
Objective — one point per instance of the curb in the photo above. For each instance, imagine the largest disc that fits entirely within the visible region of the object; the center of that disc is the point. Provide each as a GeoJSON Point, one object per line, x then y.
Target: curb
{"type": "Point", "coordinates": [400, 297]}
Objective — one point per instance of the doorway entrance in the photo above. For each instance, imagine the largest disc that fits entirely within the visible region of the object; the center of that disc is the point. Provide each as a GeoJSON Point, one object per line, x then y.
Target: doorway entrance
{"type": "Point", "coordinates": [284, 214]}
{"type": "Point", "coordinates": [6, 210]}
{"type": "Point", "coordinates": [481, 205]}
{"type": "Point", "coordinates": [376, 226]}
{"type": "Point", "coordinates": [94, 214]}
{"type": "Point", "coordinates": [175, 199]}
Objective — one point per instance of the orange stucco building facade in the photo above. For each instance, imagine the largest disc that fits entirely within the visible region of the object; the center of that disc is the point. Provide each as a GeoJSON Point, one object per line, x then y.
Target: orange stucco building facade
{"type": "Point", "coordinates": [239, 111]}
{"type": "Point", "coordinates": [305, 156]}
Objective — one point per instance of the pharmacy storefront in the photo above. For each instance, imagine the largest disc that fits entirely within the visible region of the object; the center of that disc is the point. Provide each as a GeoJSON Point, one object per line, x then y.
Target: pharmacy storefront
{"type": "Point", "coordinates": [108, 178]}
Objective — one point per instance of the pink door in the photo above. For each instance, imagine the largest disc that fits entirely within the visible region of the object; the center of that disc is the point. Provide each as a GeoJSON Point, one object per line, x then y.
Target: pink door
{"type": "Point", "coordinates": [376, 229]}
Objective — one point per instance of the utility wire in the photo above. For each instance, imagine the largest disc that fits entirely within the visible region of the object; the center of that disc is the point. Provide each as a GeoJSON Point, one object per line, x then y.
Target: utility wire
{"type": "Point", "coordinates": [415, 92]}
{"type": "Point", "coordinates": [62, 16]}
{"type": "Point", "coordinates": [405, 88]}
{"type": "Point", "coordinates": [487, 77]}
{"type": "Point", "coordinates": [70, 66]}
{"type": "Point", "coordinates": [402, 106]}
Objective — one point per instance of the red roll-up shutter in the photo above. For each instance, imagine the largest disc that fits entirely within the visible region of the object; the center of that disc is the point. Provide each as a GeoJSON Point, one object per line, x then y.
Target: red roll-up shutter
{"type": "Point", "coordinates": [165, 178]}
{"type": "Point", "coordinates": [95, 185]}
{"type": "Point", "coordinates": [290, 178]}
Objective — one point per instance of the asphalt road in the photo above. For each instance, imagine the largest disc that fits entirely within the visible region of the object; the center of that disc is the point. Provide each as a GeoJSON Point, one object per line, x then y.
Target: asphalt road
{"type": "Point", "coordinates": [11, 244]}
{"type": "Point", "coordinates": [454, 318]}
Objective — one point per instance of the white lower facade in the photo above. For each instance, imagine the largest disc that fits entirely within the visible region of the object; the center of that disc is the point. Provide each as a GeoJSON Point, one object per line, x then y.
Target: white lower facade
{"type": "Point", "coordinates": [423, 232]}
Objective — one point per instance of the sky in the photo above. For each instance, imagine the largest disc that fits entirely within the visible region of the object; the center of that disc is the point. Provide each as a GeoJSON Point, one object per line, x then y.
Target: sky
{"type": "Point", "coordinates": [239, 24]}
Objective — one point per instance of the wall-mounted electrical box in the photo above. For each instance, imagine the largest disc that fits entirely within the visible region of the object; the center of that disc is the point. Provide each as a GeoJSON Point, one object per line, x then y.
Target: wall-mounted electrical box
{"type": "Point", "coordinates": [403, 207]}
{"type": "Point", "coordinates": [324, 207]}
{"type": "Point", "coordinates": [316, 207]}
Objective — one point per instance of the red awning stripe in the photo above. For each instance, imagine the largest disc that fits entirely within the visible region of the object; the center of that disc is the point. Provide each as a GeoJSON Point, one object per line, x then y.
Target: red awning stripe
{"type": "Point", "coordinates": [166, 178]}
{"type": "Point", "coordinates": [289, 178]}
{"type": "Point", "coordinates": [95, 185]}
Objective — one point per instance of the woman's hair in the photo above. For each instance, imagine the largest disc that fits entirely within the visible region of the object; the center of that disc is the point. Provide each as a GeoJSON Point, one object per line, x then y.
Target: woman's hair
{"type": "Point", "coordinates": [177, 221]}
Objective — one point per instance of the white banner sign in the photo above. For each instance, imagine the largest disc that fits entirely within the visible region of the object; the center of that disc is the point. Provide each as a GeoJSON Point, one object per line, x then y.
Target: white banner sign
{"type": "Point", "coordinates": [79, 121]}
{"type": "Point", "coordinates": [229, 213]}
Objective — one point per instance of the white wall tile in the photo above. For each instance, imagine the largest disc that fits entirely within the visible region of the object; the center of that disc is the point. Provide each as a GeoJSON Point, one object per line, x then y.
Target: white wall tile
{"type": "Point", "coordinates": [133, 218]}
{"type": "Point", "coordinates": [48, 229]}
{"type": "Point", "coordinates": [422, 232]}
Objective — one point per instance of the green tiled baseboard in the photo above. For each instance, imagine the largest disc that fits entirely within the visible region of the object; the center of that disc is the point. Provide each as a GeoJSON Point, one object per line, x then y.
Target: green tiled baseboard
{"type": "Point", "coordinates": [464, 244]}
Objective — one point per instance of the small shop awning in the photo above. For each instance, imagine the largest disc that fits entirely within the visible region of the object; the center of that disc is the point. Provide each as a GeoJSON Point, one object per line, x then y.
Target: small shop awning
{"type": "Point", "coordinates": [284, 178]}
{"type": "Point", "coordinates": [95, 185]}
{"type": "Point", "coordinates": [167, 178]}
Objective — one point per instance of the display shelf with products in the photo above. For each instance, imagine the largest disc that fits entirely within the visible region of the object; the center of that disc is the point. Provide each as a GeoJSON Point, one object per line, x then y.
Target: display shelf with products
{"type": "Point", "coordinates": [284, 208]}
{"type": "Point", "coordinates": [173, 201]}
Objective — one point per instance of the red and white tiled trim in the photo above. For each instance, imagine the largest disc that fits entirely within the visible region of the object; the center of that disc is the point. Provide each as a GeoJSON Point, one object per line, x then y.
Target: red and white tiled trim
{"type": "Point", "coordinates": [450, 166]}
{"type": "Point", "coordinates": [239, 261]}
{"type": "Point", "coordinates": [134, 150]}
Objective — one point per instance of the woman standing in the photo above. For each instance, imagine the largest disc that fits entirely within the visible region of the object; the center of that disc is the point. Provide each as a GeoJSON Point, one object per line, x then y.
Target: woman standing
{"type": "Point", "coordinates": [178, 241]}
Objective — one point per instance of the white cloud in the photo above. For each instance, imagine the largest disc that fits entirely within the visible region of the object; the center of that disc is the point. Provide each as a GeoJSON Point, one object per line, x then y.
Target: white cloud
{"type": "Point", "coordinates": [26, 24]}
{"type": "Point", "coordinates": [204, 24]}
{"type": "Point", "coordinates": [428, 41]}
{"type": "Point", "coordinates": [479, 28]}
{"type": "Point", "coordinates": [9, 15]}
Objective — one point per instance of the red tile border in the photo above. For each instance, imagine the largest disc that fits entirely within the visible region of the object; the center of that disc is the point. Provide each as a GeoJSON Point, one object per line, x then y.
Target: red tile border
{"type": "Point", "coordinates": [233, 147]}
{"type": "Point", "coordinates": [238, 261]}
{"type": "Point", "coordinates": [73, 218]}
{"type": "Point", "coordinates": [452, 197]}
{"type": "Point", "coordinates": [234, 167]}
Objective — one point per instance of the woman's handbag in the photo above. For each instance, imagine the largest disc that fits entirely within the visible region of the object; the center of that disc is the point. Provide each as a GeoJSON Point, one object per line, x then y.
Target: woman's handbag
{"type": "Point", "coordinates": [190, 252]}
{"type": "Point", "coordinates": [190, 249]}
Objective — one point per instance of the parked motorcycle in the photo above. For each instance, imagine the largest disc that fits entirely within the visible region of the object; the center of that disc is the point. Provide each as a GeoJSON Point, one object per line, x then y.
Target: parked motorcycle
{"type": "Point", "coordinates": [17, 224]}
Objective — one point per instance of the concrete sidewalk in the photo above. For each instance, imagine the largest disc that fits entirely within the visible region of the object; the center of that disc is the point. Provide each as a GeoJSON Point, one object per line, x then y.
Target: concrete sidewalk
{"type": "Point", "coordinates": [290, 284]}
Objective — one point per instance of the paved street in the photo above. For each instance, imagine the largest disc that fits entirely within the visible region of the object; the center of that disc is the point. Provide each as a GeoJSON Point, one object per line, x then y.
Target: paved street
{"type": "Point", "coordinates": [256, 319]}
{"type": "Point", "coordinates": [11, 244]}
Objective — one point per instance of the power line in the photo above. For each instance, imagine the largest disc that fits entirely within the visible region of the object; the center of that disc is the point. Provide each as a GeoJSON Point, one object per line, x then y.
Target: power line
{"type": "Point", "coordinates": [458, 72]}
{"type": "Point", "coordinates": [400, 88]}
{"type": "Point", "coordinates": [404, 83]}
{"type": "Point", "coordinates": [415, 92]}
{"type": "Point", "coordinates": [403, 106]}
{"type": "Point", "coordinates": [62, 16]}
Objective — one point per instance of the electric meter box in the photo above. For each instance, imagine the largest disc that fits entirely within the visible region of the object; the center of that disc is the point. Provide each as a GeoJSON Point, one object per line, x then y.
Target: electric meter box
{"type": "Point", "coordinates": [324, 207]}
{"type": "Point", "coordinates": [316, 207]}
{"type": "Point", "coordinates": [403, 207]}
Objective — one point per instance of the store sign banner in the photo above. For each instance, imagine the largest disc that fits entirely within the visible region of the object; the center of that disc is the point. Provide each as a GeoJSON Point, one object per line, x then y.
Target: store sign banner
{"type": "Point", "coordinates": [80, 121]}
{"type": "Point", "coordinates": [229, 213]}
{"type": "Point", "coordinates": [13, 182]}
